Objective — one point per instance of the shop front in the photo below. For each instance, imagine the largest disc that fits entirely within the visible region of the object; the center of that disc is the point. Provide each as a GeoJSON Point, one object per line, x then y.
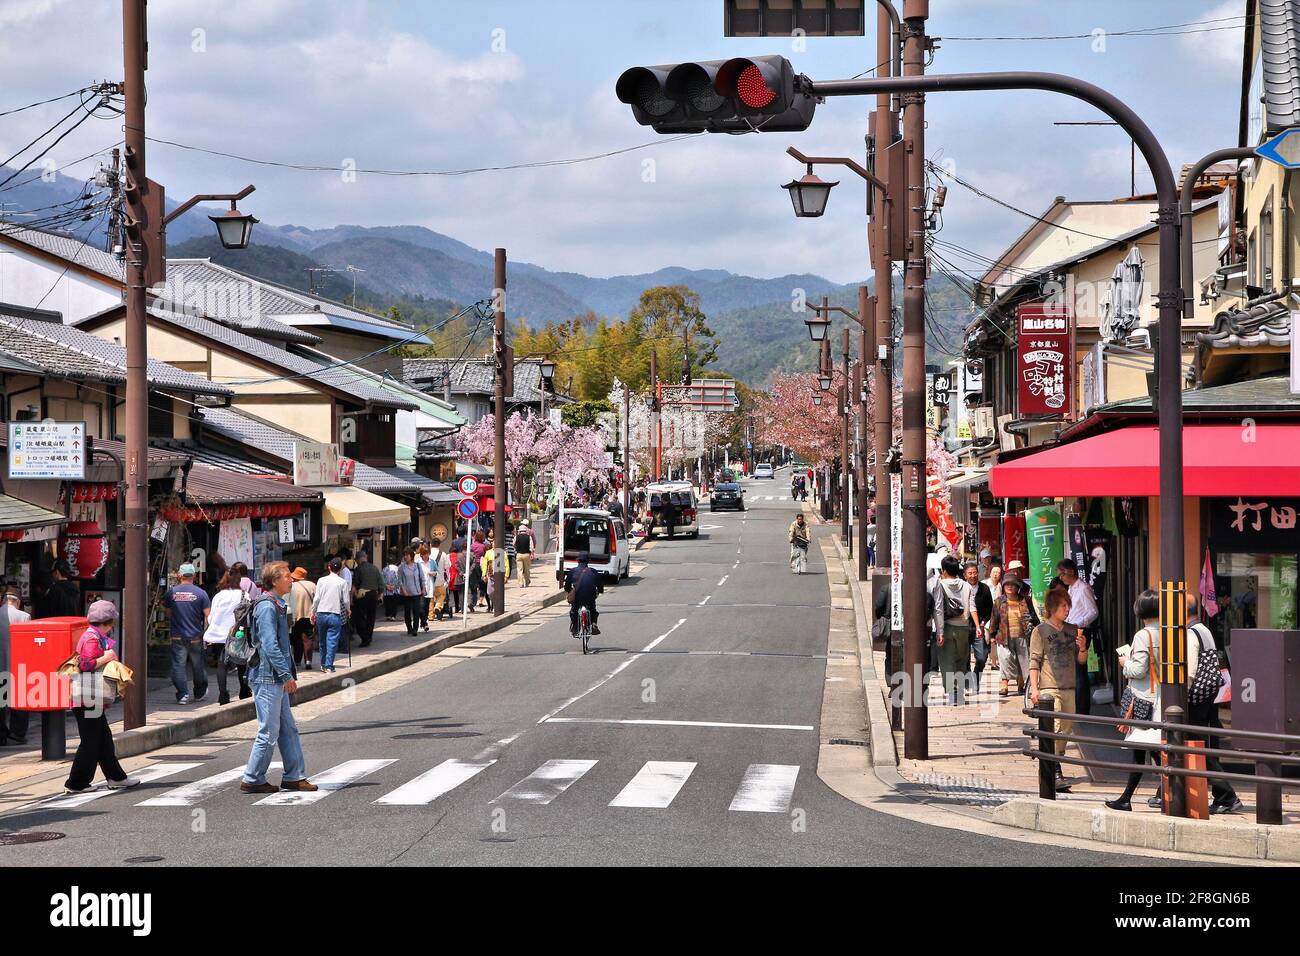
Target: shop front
{"type": "Point", "coordinates": [1254, 551]}
{"type": "Point", "coordinates": [360, 520]}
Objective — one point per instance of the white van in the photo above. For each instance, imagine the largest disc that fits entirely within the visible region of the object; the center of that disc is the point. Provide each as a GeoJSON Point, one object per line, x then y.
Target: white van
{"type": "Point", "coordinates": [675, 508]}
{"type": "Point", "coordinates": [602, 536]}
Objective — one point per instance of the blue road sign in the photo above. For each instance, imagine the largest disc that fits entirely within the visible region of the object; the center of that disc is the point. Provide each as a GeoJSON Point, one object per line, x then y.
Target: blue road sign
{"type": "Point", "coordinates": [1283, 149]}
{"type": "Point", "coordinates": [467, 508]}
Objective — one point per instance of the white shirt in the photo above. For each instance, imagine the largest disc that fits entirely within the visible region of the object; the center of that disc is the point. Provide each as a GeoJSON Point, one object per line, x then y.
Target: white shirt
{"type": "Point", "coordinates": [333, 595]}
{"type": "Point", "coordinates": [1083, 604]}
{"type": "Point", "coordinates": [222, 616]}
{"type": "Point", "coordinates": [436, 573]}
{"type": "Point", "coordinates": [18, 617]}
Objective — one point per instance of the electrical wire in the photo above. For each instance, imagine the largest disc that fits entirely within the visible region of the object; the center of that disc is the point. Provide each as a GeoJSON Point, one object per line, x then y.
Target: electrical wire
{"type": "Point", "coordinates": [1140, 31]}
{"type": "Point", "coordinates": [52, 99]}
{"type": "Point", "coordinates": [316, 167]}
{"type": "Point", "coordinates": [58, 139]}
{"type": "Point", "coordinates": [67, 165]}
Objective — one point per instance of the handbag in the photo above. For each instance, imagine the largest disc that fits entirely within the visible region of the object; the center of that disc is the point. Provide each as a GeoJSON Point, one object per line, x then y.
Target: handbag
{"type": "Point", "coordinates": [1208, 679]}
{"type": "Point", "coordinates": [1133, 707]}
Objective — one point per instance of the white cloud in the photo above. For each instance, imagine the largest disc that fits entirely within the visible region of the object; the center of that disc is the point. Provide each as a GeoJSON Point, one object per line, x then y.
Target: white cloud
{"type": "Point", "coordinates": [1216, 49]}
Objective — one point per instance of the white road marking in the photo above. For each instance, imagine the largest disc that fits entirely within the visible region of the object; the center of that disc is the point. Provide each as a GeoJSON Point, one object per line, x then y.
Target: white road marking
{"type": "Point", "coordinates": [614, 673]}
{"type": "Point", "coordinates": [548, 781]}
{"type": "Point", "coordinates": [736, 565]}
{"type": "Point", "coordinates": [191, 794]}
{"type": "Point", "coordinates": [723, 580]}
{"type": "Point", "coordinates": [766, 788]}
{"type": "Point", "coordinates": [655, 785]}
{"type": "Point", "coordinates": [677, 723]}
{"type": "Point", "coordinates": [335, 778]}
{"type": "Point", "coordinates": [705, 601]}
{"type": "Point", "coordinates": [146, 775]}
{"type": "Point", "coordinates": [432, 784]}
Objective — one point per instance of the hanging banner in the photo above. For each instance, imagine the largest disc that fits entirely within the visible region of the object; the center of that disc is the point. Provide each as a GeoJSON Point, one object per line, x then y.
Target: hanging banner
{"type": "Point", "coordinates": [1046, 542]}
{"type": "Point", "coordinates": [990, 535]}
{"type": "Point", "coordinates": [235, 541]}
{"type": "Point", "coordinates": [940, 513]}
{"type": "Point", "coordinates": [896, 551]}
{"type": "Point", "coordinates": [1077, 544]}
{"type": "Point", "coordinates": [1013, 541]}
{"type": "Point", "coordinates": [1043, 360]}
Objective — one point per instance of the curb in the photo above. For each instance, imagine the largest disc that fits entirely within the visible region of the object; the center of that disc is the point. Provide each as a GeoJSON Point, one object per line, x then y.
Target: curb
{"type": "Point", "coordinates": [132, 743]}
{"type": "Point", "coordinates": [884, 751]}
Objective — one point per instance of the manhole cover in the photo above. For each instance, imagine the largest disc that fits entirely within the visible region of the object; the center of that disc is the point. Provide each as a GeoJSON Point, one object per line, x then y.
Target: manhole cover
{"type": "Point", "coordinates": [437, 736]}
{"type": "Point", "coordinates": [33, 836]}
{"type": "Point", "coordinates": [143, 859]}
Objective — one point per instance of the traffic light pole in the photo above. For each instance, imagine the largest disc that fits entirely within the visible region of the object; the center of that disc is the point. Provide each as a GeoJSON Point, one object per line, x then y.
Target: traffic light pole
{"type": "Point", "coordinates": [499, 413]}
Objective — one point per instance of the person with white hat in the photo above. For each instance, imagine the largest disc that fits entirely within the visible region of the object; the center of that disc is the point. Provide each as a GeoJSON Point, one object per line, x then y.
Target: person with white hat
{"type": "Point", "coordinates": [524, 546]}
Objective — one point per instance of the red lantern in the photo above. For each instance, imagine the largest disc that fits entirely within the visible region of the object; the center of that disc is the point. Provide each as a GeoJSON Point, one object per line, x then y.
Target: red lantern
{"type": "Point", "coordinates": [85, 547]}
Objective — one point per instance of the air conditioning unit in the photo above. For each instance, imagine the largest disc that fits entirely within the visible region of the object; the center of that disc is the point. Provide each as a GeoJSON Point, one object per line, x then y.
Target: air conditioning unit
{"type": "Point", "coordinates": [981, 422]}
{"type": "Point", "coordinates": [1138, 339]}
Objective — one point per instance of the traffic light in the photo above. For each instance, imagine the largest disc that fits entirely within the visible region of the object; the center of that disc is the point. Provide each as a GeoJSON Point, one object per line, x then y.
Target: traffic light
{"type": "Point", "coordinates": [740, 95]}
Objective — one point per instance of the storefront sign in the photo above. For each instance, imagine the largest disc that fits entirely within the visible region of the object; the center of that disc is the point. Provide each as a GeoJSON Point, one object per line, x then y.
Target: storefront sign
{"type": "Point", "coordinates": [286, 530]}
{"type": "Point", "coordinates": [51, 450]}
{"type": "Point", "coordinates": [315, 463]}
{"type": "Point", "coordinates": [896, 551]}
{"type": "Point", "coordinates": [1046, 542]}
{"type": "Point", "coordinates": [1013, 541]}
{"type": "Point", "coordinates": [1254, 524]}
{"type": "Point", "coordinates": [1043, 360]}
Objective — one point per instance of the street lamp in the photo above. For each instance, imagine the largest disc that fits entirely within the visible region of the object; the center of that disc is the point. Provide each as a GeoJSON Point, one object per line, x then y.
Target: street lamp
{"type": "Point", "coordinates": [809, 194]}
{"type": "Point", "coordinates": [817, 398]}
{"type": "Point", "coordinates": [824, 382]}
{"type": "Point", "coordinates": [234, 228]}
{"type": "Point", "coordinates": [818, 326]}
{"type": "Point", "coordinates": [548, 370]}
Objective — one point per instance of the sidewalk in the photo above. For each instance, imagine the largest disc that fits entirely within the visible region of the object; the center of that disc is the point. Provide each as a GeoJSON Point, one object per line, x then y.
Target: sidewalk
{"type": "Point", "coordinates": [976, 762]}
{"type": "Point", "coordinates": [168, 722]}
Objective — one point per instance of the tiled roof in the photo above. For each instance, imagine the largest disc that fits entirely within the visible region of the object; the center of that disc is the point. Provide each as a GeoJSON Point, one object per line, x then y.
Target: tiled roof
{"type": "Point", "coordinates": [199, 287]}
{"type": "Point", "coordinates": [216, 486]}
{"type": "Point", "coordinates": [255, 433]}
{"type": "Point", "coordinates": [435, 491]}
{"type": "Point", "coordinates": [473, 377]}
{"type": "Point", "coordinates": [16, 513]}
{"type": "Point", "coordinates": [1270, 393]}
{"type": "Point", "coordinates": [67, 352]}
{"type": "Point", "coordinates": [66, 247]}
{"type": "Point", "coordinates": [294, 365]}
{"type": "Point", "coordinates": [1267, 323]}
{"type": "Point", "coordinates": [1279, 34]}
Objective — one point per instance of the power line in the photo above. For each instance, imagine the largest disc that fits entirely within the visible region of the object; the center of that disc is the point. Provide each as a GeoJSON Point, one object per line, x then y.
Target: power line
{"type": "Point", "coordinates": [52, 99]}
{"type": "Point", "coordinates": [334, 168]}
{"type": "Point", "coordinates": [67, 165]}
{"type": "Point", "coordinates": [1169, 29]}
{"type": "Point", "coordinates": [58, 139]}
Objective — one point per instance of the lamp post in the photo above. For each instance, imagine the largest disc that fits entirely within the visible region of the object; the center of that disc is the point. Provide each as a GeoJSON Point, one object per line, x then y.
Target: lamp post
{"type": "Point", "coordinates": [146, 267]}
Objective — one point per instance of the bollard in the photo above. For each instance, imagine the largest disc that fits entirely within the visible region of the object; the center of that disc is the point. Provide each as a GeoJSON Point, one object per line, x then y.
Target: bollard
{"type": "Point", "coordinates": [1268, 796]}
{"type": "Point", "coordinates": [1176, 784]}
{"type": "Point", "coordinates": [54, 738]}
{"type": "Point", "coordinates": [1046, 751]}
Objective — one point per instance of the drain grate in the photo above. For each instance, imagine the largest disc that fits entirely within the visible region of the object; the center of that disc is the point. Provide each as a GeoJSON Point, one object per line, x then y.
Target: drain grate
{"type": "Point", "coordinates": [31, 836]}
{"type": "Point", "coordinates": [845, 741]}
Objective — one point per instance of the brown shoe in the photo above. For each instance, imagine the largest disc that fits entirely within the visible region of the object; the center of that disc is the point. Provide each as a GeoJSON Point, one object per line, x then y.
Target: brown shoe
{"type": "Point", "coordinates": [1003, 691]}
{"type": "Point", "coordinates": [258, 788]}
{"type": "Point", "coordinates": [303, 786]}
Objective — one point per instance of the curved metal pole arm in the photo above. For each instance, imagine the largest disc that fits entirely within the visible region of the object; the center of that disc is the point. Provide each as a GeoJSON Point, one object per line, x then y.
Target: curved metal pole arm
{"type": "Point", "coordinates": [193, 201]}
{"type": "Point", "coordinates": [1185, 214]}
{"type": "Point", "coordinates": [840, 161]}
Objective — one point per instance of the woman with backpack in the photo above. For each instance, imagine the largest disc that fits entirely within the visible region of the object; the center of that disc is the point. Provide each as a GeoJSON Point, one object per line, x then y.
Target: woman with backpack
{"type": "Point", "coordinates": [220, 620]}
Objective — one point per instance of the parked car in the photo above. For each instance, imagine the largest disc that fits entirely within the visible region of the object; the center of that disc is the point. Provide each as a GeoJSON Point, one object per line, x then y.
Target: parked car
{"type": "Point", "coordinates": [728, 494]}
{"type": "Point", "coordinates": [675, 499]}
{"type": "Point", "coordinates": [764, 469]}
{"type": "Point", "coordinates": [603, 536]}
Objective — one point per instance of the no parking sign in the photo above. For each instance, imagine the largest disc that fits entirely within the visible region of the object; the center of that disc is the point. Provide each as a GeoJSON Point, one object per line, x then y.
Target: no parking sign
{"type": "Point", "coordinates": [467, 508]}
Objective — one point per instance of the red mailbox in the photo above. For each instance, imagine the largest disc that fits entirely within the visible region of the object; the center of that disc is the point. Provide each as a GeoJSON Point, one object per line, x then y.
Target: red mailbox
{"type": "Point", "coordinates": [37, 648]}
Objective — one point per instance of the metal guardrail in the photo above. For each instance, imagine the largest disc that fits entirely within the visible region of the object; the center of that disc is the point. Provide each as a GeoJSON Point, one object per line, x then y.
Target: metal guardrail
{"type": "Point", "coordinates": [1268, 779]}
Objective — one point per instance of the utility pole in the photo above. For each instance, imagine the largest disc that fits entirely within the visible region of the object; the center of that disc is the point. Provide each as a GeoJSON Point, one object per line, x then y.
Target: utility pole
{"type": "Point", "coordinates": [866, 346]}
{"type": "Point", "coordinates": [135, 552]}
{"type": "Point", "coordinates": [656, 424]}
{"type": "Point", "coordinates": [916, 743]}
{"type": "Point", "coordinates": [114, 235]}
{"type": "Point", "coordinates": [627, 455]}
{"type": "Point", "coordinates": [505, 362]}
{"type": "Point", "coordinates": [845, 449]}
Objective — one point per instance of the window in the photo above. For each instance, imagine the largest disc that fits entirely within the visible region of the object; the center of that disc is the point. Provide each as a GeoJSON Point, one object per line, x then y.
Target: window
{"type": "Point", "coordinates": [1265, 269]}
{"type": "Point", "coordinates": [1252, 258]}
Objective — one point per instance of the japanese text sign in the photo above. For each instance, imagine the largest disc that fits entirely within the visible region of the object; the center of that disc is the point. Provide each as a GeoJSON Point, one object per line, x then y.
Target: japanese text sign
{"type": "Point", "coordinates": [1044, 365]}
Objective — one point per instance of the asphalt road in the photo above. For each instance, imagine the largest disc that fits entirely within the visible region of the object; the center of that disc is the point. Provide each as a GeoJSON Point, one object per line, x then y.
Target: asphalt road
{"type": "Point", "coordinates": [691, 737]}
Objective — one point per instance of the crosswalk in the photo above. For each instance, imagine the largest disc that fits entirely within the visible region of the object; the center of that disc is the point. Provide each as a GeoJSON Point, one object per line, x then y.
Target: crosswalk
{"type": "Point", "coordinates": [764, 788]}
{"type": "Point", "coordinates": [770, 498]}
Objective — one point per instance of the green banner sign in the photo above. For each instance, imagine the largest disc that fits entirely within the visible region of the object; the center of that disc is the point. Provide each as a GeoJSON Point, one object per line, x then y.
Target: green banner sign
{"type": "Point", "coordinates": [1045, 538]}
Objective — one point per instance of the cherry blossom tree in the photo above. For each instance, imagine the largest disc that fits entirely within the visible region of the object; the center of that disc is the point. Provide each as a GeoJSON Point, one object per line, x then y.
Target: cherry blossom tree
{"type": "Point", "coordinates": [536, 448]}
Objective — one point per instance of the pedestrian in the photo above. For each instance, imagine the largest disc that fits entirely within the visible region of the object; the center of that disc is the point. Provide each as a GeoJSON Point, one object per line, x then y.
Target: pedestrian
{"type": "Point", "coordinates": [1010, 628]}
{"type": "Point", "coordinates": [477, 589]}
{"type": "Point", "coordinates": [13, 723]}
{"type": "Point", "coordinates": [1083, 615]}
{"type": "Point", "coordinates": [329, 610]}
{"type": "Point", "coordinates": [367, 585]}
{"type": "Point", "coordinates": [454, 565]}
{"type": "Point", "coordinates": [525, 545]}
{"type": "Point", "coordinates": [1141, 700]}
{"type": "Point", "coordinates": [982, 612]}
{"type": "Point", "coordinates": [221, 618]}
{"type": "Point", "coordinates": [871, 538]}
{"type": "Point", "coordinates": [437, 578]}
{"type": "Point", "coordinates": [246, 582]}
{"type": "Point", "coordinates": [494, 559]}
{"type": "Point", "coordinates": [994, 578]}
{"type": "Point", "coordinates": [392, 593]}
{"type": "Point", "coordinates": [1202, 709]}
{"type": "Point", "coordinates": [96, 649]}
{"type": "Point", "coordinates": [273, 681]}
{"type": "Point", "coordinates": [954, 607]}
{"type": "Point", "coordinates": [799, 539]}
{"type": "Point", "coordinates": [63, 597]}
{"type": "Point", "coordinates": [302, 633]}
{"type": "Point", "coordinates": [187, 607]}
{"type": "Point", "coordinates": [1054, 647]}
{"type": "Point", "coordinates": [411, 584]}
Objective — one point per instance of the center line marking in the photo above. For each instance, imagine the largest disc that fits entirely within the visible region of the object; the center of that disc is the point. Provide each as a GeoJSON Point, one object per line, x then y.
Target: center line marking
{"type": "Point", "coordinates": [724, 580]}
{"type": "Point", "coordinates": [705, 601]}
{"type": "Point", "coordinates": [678, 723]}
{"type": "Point", "coordinates": [614, 673]}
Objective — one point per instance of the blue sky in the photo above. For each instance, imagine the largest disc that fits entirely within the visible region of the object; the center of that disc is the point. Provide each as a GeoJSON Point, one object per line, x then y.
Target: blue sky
{"type": "Point", "coordinates": [447, 85]}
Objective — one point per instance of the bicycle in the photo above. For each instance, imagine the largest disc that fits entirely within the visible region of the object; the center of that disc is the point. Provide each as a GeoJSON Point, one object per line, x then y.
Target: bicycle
{"type": "Point", "coordinates": [798, 559]}
{"type": "Point", "coordinates": [584, 628]}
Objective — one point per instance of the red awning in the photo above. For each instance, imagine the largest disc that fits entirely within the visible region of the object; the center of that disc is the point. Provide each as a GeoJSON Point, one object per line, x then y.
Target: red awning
{"type": "Point", "coordinates": [1218, 461]}
{"type": "Point", "coordinates": [489, 505]}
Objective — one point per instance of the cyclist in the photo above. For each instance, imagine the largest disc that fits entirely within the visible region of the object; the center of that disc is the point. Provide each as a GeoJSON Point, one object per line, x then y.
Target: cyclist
{"type": "Point", "coordinates": [798, 544]}
{"type": "Point", "coordinates": [582, 584]}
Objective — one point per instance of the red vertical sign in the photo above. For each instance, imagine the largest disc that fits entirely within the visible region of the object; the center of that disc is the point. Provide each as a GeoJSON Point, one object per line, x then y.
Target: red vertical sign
{"type": "Point", "coordinates": [1044, 363]}
{"type": "Point", "coordinates": [1013, 542]}
{"type": "Point", "coordinates": [990, 533]}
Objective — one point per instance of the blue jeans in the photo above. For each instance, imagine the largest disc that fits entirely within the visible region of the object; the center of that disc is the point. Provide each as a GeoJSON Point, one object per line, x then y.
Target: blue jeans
{"type": "Point", "coordinates": [275, 725]}
{"type": "Point", "coordinates": [193, 649]}
{"type": "Point", "coordinates": [329, 628]}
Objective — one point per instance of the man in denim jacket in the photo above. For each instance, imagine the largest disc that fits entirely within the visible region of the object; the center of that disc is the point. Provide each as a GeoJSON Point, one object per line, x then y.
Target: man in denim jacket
{"type": "Point", "coordinates": [272, 679]}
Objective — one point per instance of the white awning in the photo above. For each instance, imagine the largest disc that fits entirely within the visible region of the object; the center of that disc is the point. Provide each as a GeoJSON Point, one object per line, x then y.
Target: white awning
{"type": "Point", "coordinates": [358, 510]}
{"type": "Point", "coordinates": [967, 478]}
